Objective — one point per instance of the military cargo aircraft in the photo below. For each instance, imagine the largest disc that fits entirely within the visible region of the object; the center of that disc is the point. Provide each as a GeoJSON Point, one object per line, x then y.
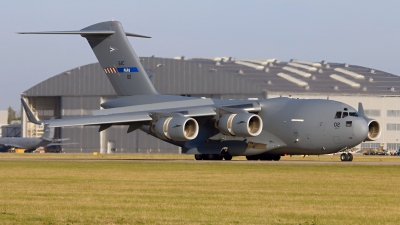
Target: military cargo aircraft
{"type": "Point", "coordinates": [212, 129]}
{"type": "Point", "coordinates": [29, 144]}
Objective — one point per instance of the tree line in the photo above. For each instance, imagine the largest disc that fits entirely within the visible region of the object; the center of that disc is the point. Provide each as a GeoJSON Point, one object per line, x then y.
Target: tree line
{"type": "Point", "coordinates": [13, 115]}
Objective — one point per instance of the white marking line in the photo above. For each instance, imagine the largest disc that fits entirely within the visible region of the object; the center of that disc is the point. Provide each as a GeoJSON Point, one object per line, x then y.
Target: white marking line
{"type": "Point", "coordinates": [297, 120]}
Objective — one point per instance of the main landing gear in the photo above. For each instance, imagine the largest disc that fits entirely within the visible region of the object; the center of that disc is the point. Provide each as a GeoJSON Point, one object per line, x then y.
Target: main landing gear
{"type": "Point", "coordinates": [212, 157]}
{"type": "Point", "coordinates": [263, 157]}
{"type": "Point", "coordinates": [346, 157]}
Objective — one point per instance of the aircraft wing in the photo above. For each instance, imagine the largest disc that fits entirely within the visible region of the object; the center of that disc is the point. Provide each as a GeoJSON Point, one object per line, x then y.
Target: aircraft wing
{"type": "Point", "coordinates": [139, 115]}
{"type": "Point", "coordinates": [133, 116]}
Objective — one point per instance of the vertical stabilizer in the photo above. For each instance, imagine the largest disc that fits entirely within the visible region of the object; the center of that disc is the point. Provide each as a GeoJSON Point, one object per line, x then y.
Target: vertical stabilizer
{"type": "Point", "coordinates": [361, 109]}
{"type": "Point", "coordinates": [48, 133]}
{"type": "Point", "coordinates": [118, 59]}
{"type": "Point", "coordinates": [115, 54]}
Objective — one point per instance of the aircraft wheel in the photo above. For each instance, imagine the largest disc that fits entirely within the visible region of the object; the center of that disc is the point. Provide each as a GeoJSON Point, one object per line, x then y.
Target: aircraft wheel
{"type": "Point", "coordinates": [214, 157]}
{"type": "Point", "coordinates": [198, 157]}
{"type": "Point", "coordinates": [344, 157]}
{"type": "Point", "coordinates": [261, 157]}
{"type": "Point", "coordinates": [251, 157]}
{"type": "Point", "coordinates": [227, 157]}
{"type": "Point", "coordinates": [350, 157]}
{"type": "Point", "coordinates": [276, 157]}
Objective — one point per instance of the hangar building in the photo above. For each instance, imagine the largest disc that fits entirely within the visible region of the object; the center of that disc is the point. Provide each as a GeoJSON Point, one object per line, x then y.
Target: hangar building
{"type": "Point", "coordinates": [80, 90]}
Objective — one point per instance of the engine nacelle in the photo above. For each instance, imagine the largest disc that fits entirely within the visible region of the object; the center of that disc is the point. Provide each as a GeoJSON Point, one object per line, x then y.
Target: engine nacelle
{"type": "Point", "coordinates": [374, 130]}
{"type": "Point", "coordinates": [241, 125]}
{"type": "Point", "coordinates": [176, 128]}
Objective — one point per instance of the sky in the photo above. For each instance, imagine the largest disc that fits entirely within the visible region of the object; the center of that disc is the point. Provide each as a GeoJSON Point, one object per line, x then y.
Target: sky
{"type": "Point", "coordinates": [357, 32]}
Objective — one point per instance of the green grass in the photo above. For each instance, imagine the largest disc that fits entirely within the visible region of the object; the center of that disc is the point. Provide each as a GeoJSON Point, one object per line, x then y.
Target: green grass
{"type": "Point", "coordinates": [187, 192]}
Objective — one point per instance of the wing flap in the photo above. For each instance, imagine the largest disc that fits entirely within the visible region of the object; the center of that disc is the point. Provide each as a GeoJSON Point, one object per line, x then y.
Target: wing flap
{"type": "Point", "coordinates": [98, 120]}
{"type": "Point", "coordinates": [167, 106]}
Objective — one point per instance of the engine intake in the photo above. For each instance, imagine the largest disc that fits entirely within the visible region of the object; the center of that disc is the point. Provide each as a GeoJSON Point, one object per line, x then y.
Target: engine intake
{"type": "Point", "coordinates": [374, 130]}
{"type": "Point", "coordinates": [241, 125]}
{"type": "Point", "coordinates": [176, 128]}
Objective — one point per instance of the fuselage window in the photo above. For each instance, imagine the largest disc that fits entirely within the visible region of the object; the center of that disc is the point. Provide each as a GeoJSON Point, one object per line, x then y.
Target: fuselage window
{"type": "Point", "coordinates": [345, 114]}
{"type": "Point", "coordinates": [353, 114]}
{"type": "Point", "coordinates": [338, 115]}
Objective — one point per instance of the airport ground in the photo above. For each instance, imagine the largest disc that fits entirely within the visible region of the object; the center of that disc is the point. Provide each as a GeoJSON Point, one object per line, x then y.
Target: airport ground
{"type": "Point", "coordinates": [175, 189]}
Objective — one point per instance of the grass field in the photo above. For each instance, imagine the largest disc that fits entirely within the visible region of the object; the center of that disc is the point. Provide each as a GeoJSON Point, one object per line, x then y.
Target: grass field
{"type": "Point", "coordinates": [56, 191]}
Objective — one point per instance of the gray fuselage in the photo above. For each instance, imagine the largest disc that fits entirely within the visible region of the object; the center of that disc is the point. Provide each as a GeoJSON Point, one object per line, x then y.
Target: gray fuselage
{"type": "Point", "coordinates": [290, 126]}
{"type": "Point", "coordinates": [24, 143]}
{"type": "Point", "coordinates": [309, 126]}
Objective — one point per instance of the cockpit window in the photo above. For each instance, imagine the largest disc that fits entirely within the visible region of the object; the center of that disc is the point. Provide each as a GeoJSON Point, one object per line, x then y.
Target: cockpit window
{"type": "Point", "coordinates": [353, 114]}
{"type": "Point", "coordinates": [338, 115]}
{"type": "Point", "coordinates": [345, 114]}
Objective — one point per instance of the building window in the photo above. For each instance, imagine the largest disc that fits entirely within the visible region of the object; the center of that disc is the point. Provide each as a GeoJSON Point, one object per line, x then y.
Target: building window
{"type": "Point", "coordinates": [45, 112]}
{"type": "Point", "coordinates": [370, 145]}
{"type": "Point", "coordinates": [393, 146]}
{"type": "Point", "coordinates": [373, 112]}
{"type": "Point", "coordinates": [393, 113]}
{"type": "Point", "coordinates": [391, 126]}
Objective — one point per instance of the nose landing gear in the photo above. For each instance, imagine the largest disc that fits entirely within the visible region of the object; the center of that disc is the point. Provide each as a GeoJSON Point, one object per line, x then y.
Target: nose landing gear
{"type": "Point", "coordinates": [346, 157]}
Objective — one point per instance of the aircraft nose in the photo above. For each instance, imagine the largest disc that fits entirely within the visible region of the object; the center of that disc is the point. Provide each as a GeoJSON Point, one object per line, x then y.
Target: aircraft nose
{"type": "Point", "coordinates": [360, 128]}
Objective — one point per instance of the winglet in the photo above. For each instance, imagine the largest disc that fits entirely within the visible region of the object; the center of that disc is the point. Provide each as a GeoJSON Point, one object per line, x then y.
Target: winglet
{"type": "Point", "coordinates": [361, 109]}
{"type": "Point", "coordinates": [29, 113]}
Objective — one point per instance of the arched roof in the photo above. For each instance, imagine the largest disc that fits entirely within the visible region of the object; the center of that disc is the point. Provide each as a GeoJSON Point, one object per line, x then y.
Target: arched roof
{"type": "Point", "coordinates": [222, 75]}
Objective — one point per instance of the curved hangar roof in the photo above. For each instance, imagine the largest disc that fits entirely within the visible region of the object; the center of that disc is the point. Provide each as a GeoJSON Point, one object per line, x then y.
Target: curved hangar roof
{"type": "Point", "coordinates": [222, 75]}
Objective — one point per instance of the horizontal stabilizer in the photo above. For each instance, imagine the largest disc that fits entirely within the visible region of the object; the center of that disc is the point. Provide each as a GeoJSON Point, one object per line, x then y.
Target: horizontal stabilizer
{"type": "Point", "coordinates": [98, 32]}
{"type": "Point", "coordinates": [136, 35]}
{"type": "Point", "coordinates": [86, 32]}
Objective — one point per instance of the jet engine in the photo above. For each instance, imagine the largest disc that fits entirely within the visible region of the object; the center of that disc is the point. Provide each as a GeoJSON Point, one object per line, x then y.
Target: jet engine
{"type": "Point", "coordinates": [176, 128]}
{"type": "Point", "coordinates": [241, 125]}
{"type": "Point", "coordinates": [374, 130]}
